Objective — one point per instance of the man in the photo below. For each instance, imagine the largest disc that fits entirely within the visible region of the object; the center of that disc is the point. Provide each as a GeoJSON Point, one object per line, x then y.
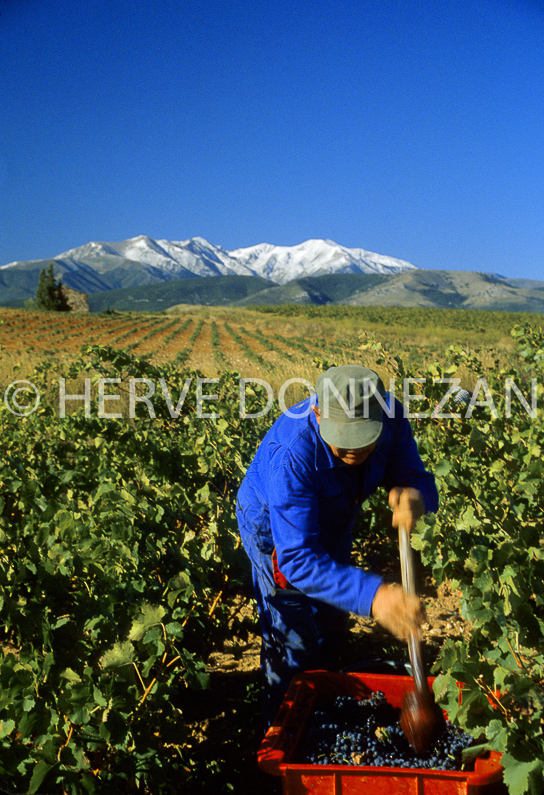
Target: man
{"type": "Point", "coordinates": [296, 509]}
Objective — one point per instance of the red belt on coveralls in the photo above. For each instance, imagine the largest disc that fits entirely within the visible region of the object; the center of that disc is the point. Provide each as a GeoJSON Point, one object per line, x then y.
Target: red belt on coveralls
{"type": "Point", "coordinates": [281, 581]}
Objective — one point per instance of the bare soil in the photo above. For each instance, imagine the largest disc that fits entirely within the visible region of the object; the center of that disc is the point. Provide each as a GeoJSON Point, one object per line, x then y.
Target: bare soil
{"type": "Point", "coordinates": [228, 722]}
{"type": "Point", "coordinates": [366, 637]}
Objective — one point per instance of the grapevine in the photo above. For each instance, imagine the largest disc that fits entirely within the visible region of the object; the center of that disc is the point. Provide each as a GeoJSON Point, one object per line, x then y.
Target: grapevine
{"type": "Point", "coordinates": [119, 552]}
{"type": "Point", "coordinates": [116, 536]}
{"type": "Point", "coordinates": [486, 541]}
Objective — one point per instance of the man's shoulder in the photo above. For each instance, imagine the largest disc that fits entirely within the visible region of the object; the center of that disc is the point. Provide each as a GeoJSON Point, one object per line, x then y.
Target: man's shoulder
{"type": "Point", "coordinates": [294, 428]}
{"type": "Point", "coordinates": [292, 434]}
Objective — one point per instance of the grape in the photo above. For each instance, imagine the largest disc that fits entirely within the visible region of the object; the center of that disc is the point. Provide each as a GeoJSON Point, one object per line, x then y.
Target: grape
{"type": "Point", "coordinates": [351, 731]}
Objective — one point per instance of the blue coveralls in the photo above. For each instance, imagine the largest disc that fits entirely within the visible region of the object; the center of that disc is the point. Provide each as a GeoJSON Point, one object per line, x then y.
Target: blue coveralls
{"type": "Point", "coordinates": [298, 503]}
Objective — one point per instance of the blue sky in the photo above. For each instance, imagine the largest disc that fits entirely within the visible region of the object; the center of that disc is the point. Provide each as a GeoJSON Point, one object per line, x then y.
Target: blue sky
{"type": "Point", "coordinates": [412, 128]}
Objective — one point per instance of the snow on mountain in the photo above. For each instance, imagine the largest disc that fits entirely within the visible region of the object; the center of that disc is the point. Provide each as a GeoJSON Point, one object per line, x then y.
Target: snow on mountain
{"type": "Point", "coordinates": [282, 264]}
{"type": "Point", "coordinates": [196, 257]}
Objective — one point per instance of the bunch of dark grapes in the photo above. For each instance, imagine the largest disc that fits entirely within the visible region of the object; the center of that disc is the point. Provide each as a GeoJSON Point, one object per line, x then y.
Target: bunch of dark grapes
{"type": "Point", "coordinates": [349, 731]}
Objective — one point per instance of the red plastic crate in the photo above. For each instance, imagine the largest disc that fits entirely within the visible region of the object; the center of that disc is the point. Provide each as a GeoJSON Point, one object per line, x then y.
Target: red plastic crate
{"type": "Point", "coordinates": [282, 737]}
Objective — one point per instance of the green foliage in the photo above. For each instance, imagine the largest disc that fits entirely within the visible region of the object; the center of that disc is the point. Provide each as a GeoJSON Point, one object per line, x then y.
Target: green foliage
{"type": "Point", "coordinates": [487, 540]}
{"type": "Point", "coordinates": [119, 554]}
{"type": "Point", "coordinates": [118, 548]}
{"type": "Point", "coordinates": [48, 294]}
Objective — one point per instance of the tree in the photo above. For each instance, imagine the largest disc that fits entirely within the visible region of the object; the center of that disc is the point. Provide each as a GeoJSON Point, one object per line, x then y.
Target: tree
{"type": "Point", "coordinates": [49, 296]}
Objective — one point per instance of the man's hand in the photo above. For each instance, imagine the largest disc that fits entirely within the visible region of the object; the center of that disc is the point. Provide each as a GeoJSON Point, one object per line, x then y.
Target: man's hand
{"type": "Point", "coordinates": [407, 506]}
{"type": "Point", "coordinates": [397, 612]}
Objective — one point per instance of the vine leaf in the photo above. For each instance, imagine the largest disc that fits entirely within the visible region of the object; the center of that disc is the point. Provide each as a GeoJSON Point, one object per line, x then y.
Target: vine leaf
{"type": "Point", "coordinates": [121, 654]}
{"type": "Point", "coordinates": [6, 727]}
{"type": "Point", "coordinates": [518, 776]}
{"type": "Point", "coordinates": [40, 771]}
{"type": "Point", "coordinates": [150, 616]}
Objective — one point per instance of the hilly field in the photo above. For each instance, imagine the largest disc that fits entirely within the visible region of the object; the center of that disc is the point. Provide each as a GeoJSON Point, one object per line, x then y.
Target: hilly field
{"type": "Point", "coordinates": [270, 342]}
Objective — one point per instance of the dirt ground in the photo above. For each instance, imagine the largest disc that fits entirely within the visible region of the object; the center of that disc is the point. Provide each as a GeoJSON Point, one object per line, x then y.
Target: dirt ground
{"type": "Point", "coordinates": [366, 637]}
{"type": "Point", "coordinates": [235, 672]}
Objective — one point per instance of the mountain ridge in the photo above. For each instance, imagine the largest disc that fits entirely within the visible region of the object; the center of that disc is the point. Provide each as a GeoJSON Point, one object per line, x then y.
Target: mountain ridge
{"type": "Point", "coordinates": [143, 273]}
{"type": "Point", "coordinates": [431, 289]}
{"type": "Point", "coordinates": [98, 266]}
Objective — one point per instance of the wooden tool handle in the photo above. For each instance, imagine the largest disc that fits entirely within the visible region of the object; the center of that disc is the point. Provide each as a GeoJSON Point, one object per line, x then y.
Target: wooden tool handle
{"type": "Point", "coordinates": [408, 583]}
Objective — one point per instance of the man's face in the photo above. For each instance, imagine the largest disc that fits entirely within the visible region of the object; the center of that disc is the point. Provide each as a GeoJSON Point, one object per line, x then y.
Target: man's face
{"type": "Point", "coordinates": [350, 457]}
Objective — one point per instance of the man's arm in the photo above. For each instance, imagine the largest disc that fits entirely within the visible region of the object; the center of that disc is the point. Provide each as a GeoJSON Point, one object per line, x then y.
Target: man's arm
{"type": "Point", "coordinates": [295, 524]}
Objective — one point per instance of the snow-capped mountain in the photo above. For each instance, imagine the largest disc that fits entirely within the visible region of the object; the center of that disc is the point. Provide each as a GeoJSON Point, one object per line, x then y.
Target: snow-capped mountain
{"type": "Point", "coordinates": [194, 257]}
{"type": "Point", "coordinates": [282, 264]}
{"type": "Point", "coordinates": [142, 273]}
{"type": "Point", "coordinates": [142, 260]}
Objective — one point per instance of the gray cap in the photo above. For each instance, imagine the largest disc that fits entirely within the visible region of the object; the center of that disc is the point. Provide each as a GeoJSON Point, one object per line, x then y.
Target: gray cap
{"type": "Point", "coordinates": [351, 415]}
